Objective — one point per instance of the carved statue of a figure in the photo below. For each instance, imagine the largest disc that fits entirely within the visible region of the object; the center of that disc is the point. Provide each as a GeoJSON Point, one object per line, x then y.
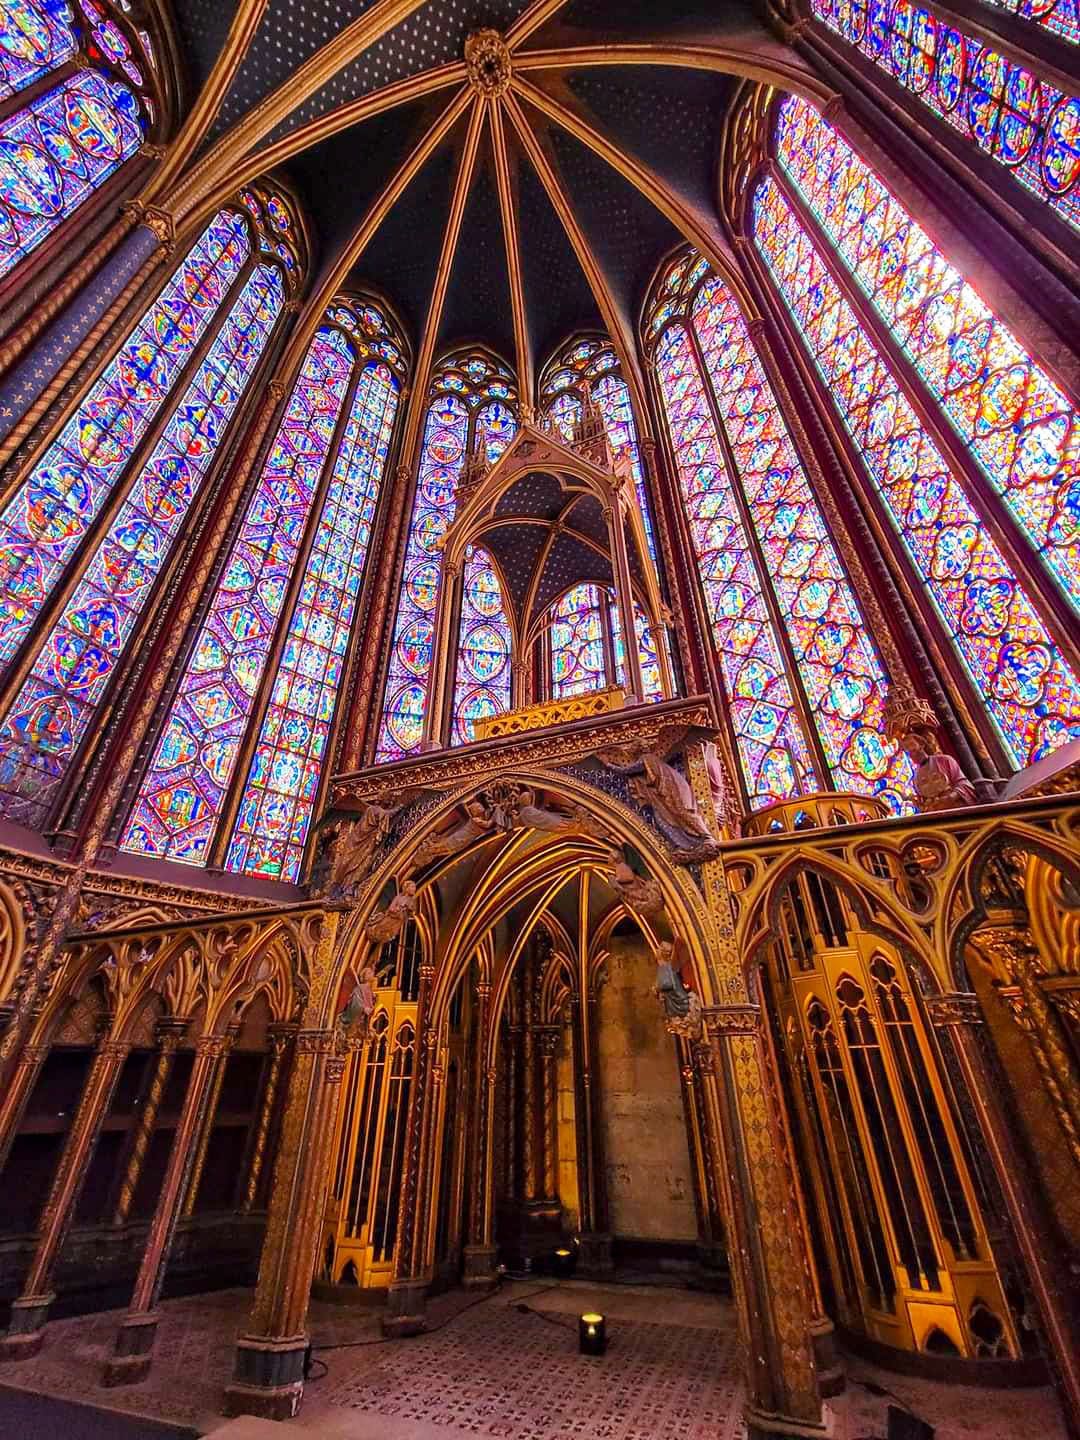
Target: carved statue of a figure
{"type": "Point", "coordinates": [479, 820]}
{"type": "Point", "coordinates": [640, 893]}
{"type": "Point", "coordinates": [351, 846]}
{"type": "Point", "coordinates": [940, 784]}
{"type": "Point", "coordinates": [361, 1002]}
{"type": "Point", "coordinates": [383, 925]}
{"type": "Point", "coordinates": [682, 1006]}
{"type": "Point", "coordinates": [669, 796]}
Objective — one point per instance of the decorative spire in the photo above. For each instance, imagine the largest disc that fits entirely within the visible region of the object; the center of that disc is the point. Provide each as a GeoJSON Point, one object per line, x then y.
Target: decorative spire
{"type": "Point", "coordinates": [473, 471]}
{"type": "Point", "coordinates": [590, 432]}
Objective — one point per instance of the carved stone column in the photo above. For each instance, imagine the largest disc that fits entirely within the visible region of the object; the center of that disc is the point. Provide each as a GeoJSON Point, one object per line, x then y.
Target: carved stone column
{"type": "Point", "coordinates": [30, 1312]}
{"type": "Point", "coordinates": [407, 1298]}
{"type": "Point", "coordinates": [624, 599]}
{"type": "Point", "coordinates": [594, 1240]}
{"type": "Point", "coordinates": [135, 1338]}
{"type": "Point", "coordinates": [960, 1016]}
{"type": "Point", "coordinates": [17, 1093]}
{"type": "Point", "coordinates": [479, 1255]}
{"type": "Point", "coordinates": [169, 1035]}
{"type": "Point", "coordinates": [281, 1036]}
{"type": "Point", "coordinates": [206, 1129]}
{"type": "Point", "coordinates": [712, 1251]}
{"type": "Point", "coordinates": [269, 1376]}
{"type": "Point", "coordinates": [549, 1054]}
{"type": "Point", "coordinates": [768, 1264]}
{"type": "Point", "coordinates": [530, 1153]}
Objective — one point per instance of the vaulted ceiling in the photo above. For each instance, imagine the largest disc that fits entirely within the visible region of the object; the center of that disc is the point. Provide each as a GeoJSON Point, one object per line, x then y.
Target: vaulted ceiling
{"type": "Point", "coordinates": [567, 173]}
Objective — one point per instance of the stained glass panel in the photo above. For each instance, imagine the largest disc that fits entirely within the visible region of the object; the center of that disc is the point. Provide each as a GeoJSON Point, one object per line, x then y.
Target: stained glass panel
{"type": "Point", "coordinates": [578, 661]}
{"type": "Point", "coordinates": [839, 666]}
{"type": "Point", "coordinates": [180, 799]}
{"type": "Point", "coordinates": [36, 36]}
{"type": "Point", "coordinates": [483, 673]}
{"type": "Point", "coordinates": [68, 676]}
{"type": "Point", "coordinates": [445, 437]}
{"type": "Point", "coordinates": [1061, 17]}
{"type": "Point", "coordinates": [1028, 125]}
{"type": "Point", "coordinates": [56, 152]}
{"type": "Point", "coordinates": [1012, 418]}
{"type": "Point", "coordinates": [647, 657]}
{"type": "Point", "coordinates": [49, 514]}
{"type": "Point", "coordinates": [775, 757]}
{"type": "Point", "coordinates": [275, 810]}
{"type": "Point", "coordinates": [449, 434]}
{"type": "Point", "coordinates": [1029, 690]}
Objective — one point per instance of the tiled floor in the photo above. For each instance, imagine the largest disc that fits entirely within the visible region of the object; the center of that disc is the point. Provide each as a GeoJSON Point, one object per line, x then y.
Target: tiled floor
{"type": "Point", "coordinates": [497, 1370]}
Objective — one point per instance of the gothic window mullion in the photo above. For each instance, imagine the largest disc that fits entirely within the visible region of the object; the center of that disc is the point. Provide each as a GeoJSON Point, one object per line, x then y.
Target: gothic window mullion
{"type": "Point", "coordinates": [776, 614]}
{"type": "Point", "coordinates": [996, 516]}
{"type": "Point", "coordinates": [230, 802]}
{"type": "Point", "coordinates": [19, 99]}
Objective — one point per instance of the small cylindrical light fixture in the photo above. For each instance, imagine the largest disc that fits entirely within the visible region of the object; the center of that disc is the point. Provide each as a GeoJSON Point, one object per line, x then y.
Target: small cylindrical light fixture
{"type": "Point", "coordinates": [563, 1262]}
{"type": "Point", "coordinates": [592, 1333]}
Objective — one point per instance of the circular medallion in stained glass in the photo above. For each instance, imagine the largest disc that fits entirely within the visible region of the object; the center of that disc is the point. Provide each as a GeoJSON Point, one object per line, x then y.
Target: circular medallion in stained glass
{"type": "Point", "coordinates": [923, 45]}
{"type": "Point", "coordinates": [446, 446]}
{"type": "Point", "coordinates": [1060, 161]}
{"type": "Point", "coordinates": [478, 705]}
{"type": "Point", "coordinates": [279, 215]}
{"type": "Point", "coordinates": [984, 94]}
{"type": "Point", "coordinates": [422, 585]}
{"type": "Point", "coordinates": [58, 501]}
{"type": "Point", "coordinates": [413, 646]}
{"type": "Point", "coordinates": [485, 593]}
{"type": "Point", "coordinates": [429, 528]}
{"type": "Point", "coordinates": [405, 717]}
{"type": "Point", "coordinates": [24, 34]}
{"type": "Point", "coordinates": [485, 652]}
{"type": "Point", "coordinates": [112, 41]}
{"type": "Point", "coordinates": [29, 181]}
{"type": "Point", "coordinates": [866, 755]}
{"type": "Point", "coordinates": [437, 484]}
{"type": "Point", "coordinates": [949, 79]}
{"type": "Point", "coordinates": [1021, 116]}
{"type": "Point", "coordinates": [93, 126]}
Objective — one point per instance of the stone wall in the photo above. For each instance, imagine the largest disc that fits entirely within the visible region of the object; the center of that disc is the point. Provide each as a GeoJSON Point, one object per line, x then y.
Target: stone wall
{"type": "Point", "coordinates": [650, 1190]}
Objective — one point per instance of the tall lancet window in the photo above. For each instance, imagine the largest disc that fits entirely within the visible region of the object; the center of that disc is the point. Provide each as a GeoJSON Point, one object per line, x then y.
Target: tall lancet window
{"type": "Point", "coordinates": [75, 125]}
{"type": "Point", "coordinates": [473, 406]}
{"type": "Point", "coordinates": [243, 744]}
{"type": "Point", "coordinates": [589, 362]}
{"type": "Point", "coordinates": [805, 685]}
{"type": "Point", "coordinates": [586, 645]}
{"type": "Point", "coordinates": [847, 258]}
{"type": "Point", "coordinates": [482, 676]}
{"type": "Point", "coordinates": [1023, 121]}
{"type": "Point", "coordinates": [88, 535]}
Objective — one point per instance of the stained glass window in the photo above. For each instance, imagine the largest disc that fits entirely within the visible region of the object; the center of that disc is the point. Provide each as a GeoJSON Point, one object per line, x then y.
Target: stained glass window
{"type": "Point", "coordinates": [586, 644]}
{"type": "Point", "coordinates": [1061, 17]}
{"type": "Point", "coordinates": [482, 683]}
{"type": "Point", "coordinates": [593, 363]}
{"type": "Point", "coordinates": [1027, 124]}
{"type": "Point", "coordinates": [472, 400]}
{"type": "Point", "coordinates": [578, 660]}
{"type": "Point", "coordinates": [790, 636]}
{"type": "Point", "coordinates": [276, 806]}
{"type": "Point", "coordinates": [1029, 691]}
{"type": "Point", "coordinates": [68, 676]}
{"type": "Point", "coordinates": [180, 799]}
{"type": "Point", "coordinates": [36, 36]}
{"type": "Point", "coordinates": [839, 667]}
{"type": "Point", "coordinates": [56, 151]}
{"type": "Point", "coordinates": [1018, 425]}
{"type": "Point", "coordinates": [50, 513]}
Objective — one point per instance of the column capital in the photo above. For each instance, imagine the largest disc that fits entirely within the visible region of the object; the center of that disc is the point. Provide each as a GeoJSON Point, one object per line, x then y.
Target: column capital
{"type": "Point", "coordinates": [170, 1031]}
{"type": "Point", "coordinates": [724, 1020]}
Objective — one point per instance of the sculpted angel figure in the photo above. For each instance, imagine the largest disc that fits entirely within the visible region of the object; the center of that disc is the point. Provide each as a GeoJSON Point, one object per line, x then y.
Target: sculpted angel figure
{"type": "Point", "coordinates": [479, 820]}
{"type": "Point", "coordinates": [539, 817]}
{"type": "Point", "coordinates": [383, 925]}
{"type": "Point", "coordinates": [352, 845]}
{"type": "Point", "coordinates": [669, 796]}
{"type": "Point", "coordinates": [640, 892]}
{"type": "Point", "coordinates": [682, 1006]}
{"type": "Point", "coordinates": [361, 1002]}
{"type": "Point", "coordinates": [940, 784]}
